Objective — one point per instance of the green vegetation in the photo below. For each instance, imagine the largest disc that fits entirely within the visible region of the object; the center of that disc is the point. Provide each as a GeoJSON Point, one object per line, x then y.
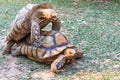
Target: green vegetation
{"type": "Point", "coordinates": [93, 27]}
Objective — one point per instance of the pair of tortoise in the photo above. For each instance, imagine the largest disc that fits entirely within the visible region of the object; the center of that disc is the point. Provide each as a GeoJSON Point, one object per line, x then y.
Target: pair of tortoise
{"type": "Point", "coordinates": [51, 47]}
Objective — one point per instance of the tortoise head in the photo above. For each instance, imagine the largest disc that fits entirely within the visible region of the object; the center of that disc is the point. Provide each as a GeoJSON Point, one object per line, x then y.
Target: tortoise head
{"type": "Point", "coordinates": [70, 53]}
{"type": "Point", "coordinates": [44, 13]}
{"type": "Point", "coordinates": [47, 14]}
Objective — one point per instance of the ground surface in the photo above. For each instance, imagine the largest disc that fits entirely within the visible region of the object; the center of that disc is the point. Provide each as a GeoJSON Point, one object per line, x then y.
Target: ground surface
{"type": "Point", "coordinates": [91, 26]}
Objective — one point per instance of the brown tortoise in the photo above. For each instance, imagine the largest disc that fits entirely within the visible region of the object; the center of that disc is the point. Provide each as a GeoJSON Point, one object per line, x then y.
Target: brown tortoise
{"type": "Point", "coordinates": [55, 49]}
{"type": "Point", "coordinates": [31, 19]}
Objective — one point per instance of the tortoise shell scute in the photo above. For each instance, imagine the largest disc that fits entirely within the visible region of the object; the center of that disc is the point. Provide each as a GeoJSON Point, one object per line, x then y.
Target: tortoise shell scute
{"type": "Point", "coordinates": [55, 40]}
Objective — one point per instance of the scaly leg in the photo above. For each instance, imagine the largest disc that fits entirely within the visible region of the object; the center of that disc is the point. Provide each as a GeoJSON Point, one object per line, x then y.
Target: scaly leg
{"type": "Point", "coordinates": [35, 32]}
{"type": "Point", "coordinates": [16, 52]}
{"type": "Point", "coordinates": [8, 47]}
{"type": "Point", "coordinates": [58, 64]}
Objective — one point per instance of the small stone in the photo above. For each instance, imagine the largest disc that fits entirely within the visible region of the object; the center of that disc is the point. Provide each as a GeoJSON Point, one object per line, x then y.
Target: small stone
{"type": "Point", "coordinates": [4, 30]}
{"type": "Point", "coordinates": [116, 66]}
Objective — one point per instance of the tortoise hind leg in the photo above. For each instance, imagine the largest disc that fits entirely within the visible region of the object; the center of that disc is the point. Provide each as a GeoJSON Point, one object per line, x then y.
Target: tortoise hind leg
{"type": "Point", "coordinates": [58, 64]}
{"type": "Point", "coordinates": [16, 52]}
{"type": "Point", "coordinates": [8, 47]}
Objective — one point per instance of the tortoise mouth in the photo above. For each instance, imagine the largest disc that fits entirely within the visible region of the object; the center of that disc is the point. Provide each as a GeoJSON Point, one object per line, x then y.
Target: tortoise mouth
{"type": "Point", "coordinates": [54, 19]}
{"type": "Point", "coordinates": [70, 57]}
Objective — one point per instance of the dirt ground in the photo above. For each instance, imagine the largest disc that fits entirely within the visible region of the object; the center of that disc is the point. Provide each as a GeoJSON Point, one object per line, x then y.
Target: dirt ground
{"type": "Point", "coordinates": [10, 70]}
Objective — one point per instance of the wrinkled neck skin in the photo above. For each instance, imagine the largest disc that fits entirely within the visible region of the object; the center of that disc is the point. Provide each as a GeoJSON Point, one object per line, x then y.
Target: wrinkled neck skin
{"type": "Point", "coordinates": [40, 18]}
{"type": "Point", "coordinates": [35, 19]}
{"type": "Point", "coordinates": [41, 23]}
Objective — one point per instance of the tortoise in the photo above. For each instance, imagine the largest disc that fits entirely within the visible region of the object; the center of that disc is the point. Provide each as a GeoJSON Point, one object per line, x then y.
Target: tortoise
{"type": "Point", "coordinates": [30, 20]}
{"type": "Point", "coordinates": [55, 49]}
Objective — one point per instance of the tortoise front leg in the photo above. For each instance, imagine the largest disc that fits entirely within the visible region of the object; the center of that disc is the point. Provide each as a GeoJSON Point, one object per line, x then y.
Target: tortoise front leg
{"type": "Point", "coordinates": [58, 64]}
{"type": "Point", "coordinates": [8, 47]}
{"type": "Point", "coordinates": [35, 32]}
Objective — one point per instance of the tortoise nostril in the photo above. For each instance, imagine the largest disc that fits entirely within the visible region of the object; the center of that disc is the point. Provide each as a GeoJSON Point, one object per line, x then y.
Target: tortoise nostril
{"type": "Point", "coordinates": [54, 16]}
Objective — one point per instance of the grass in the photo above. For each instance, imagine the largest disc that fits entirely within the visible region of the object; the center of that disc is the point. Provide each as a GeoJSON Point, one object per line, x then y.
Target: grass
{"type": "Point", "coordinates": [92, 26]}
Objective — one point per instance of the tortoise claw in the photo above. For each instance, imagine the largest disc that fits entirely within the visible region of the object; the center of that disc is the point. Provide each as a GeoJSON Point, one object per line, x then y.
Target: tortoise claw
{"type": "Point", "coordinates": [53, 74]}
{"type": "Point", "coordinates": [6, 52]}
{"type": "Point", "coordinates": [61, 70]}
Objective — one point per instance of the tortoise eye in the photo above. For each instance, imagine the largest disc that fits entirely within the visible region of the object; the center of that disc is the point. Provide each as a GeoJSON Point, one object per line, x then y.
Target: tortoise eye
{"type": "Point", "coordinates": [70, 53]}
{"type": "Point", "coordinates": [40, 16]}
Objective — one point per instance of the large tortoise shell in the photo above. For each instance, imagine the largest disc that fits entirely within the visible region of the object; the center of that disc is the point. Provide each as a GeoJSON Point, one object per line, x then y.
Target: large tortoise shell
{"type": "Point", "coordinates": [18, 31]}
